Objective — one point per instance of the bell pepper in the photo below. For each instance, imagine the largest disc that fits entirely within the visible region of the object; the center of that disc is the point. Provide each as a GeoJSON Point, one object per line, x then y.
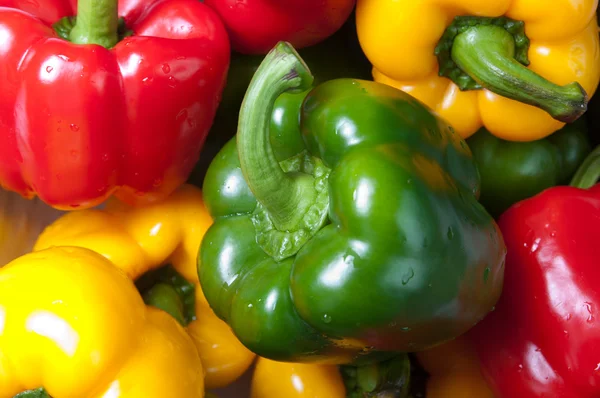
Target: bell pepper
{"type": "Point", "coordinates": [513, 171]}
{"type": "Point", "coordinates": [255, 26]}
{"type": "Point", "coordinates": [543, 339]}
{"type": "Point", "coordinates": [272, 379]}
{"type": "Point", "coordinates": [93, 105]}
{"type": "Point", "coordinates": [454, 371]}
{"type": "Point", "coordinates": [518, 68]}
{"type": "Point", "coordinates": [338, 56]}
{"type": "Point", "coordinates": [366, 209]}
{"type": "Point", "coordinates": [69, 337]}
{"type": "Point", "coordinates": [139, 241]}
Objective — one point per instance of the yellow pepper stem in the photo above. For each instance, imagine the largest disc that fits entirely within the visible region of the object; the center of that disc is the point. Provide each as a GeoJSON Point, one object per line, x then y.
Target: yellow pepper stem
{"type": "Point", "coordinates": [491, 53]}
{"type": "Point", "coordinates": [165, 297]}
{"type": "Point", "coordinates": [39, 393]}
{"type": "Point", "coordinates": [166, 289]}
{"type": "Point", "coordinates": [389, 378]}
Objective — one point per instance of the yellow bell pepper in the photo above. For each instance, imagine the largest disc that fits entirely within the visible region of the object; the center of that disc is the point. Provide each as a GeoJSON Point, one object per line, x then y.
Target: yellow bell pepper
{"type": "Point", "coordinates": [71, 323]}
{"type": "Point", "coordinates": [454, 371]}
{"type": "Point", "coordinates": [140, 239]}
{"type": "Point", "coordinates": [502, 74]}
{"type": "Point", "coordinates": [273, 379]}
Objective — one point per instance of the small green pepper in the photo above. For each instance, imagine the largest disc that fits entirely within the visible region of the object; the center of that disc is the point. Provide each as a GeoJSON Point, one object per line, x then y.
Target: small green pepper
{"type": "Point", "coordinates": [513, 171]}
{"type": "Point", "coordinates": [361, 238]}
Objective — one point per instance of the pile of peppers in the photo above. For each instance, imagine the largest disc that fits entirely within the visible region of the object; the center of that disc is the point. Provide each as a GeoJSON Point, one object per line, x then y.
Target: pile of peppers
{"type": "Point", "coordinates": [303, 199]}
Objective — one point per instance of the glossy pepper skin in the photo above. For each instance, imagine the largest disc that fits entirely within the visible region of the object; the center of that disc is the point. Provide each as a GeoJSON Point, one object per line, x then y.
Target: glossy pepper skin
{"type": "Point", "coordinates": [255, 26]}
{"type": "Point", "coordinates": [563, 48]}
{"type": "Point", "coordinates": [81, 122]}
{"type": "Point", "coordinates": [543, 338]}
{"type": "Point", "coordinates": [304, 265]}
{"type": "Point", "coordinates": [75, 340]}
{"type": "Point", "coordinates": [454, 371]}
{"type": "Point", "coordinates": [141, 239]}
{"type": "Point", "coordinates": [513, 171]}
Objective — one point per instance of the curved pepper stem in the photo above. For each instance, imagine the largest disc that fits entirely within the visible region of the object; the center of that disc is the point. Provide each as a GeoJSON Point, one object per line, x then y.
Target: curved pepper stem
{"type": "Point", "coordinates": [285, 196]}
{"type": "Point", "coordinates": [588, 173]}
{"type": "Point", "coordinates": [492, 52]}
{"type": "Point", "coordinates": [97, 23]}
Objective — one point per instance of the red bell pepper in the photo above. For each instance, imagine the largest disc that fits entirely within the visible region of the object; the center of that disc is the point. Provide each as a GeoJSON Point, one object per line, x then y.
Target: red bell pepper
{"type": "Point", "coordinates": [124, 115]}
{"type": "Point", "coordinates": [256, 26]}
{"type": "Point", "coordinates": [543, 339]}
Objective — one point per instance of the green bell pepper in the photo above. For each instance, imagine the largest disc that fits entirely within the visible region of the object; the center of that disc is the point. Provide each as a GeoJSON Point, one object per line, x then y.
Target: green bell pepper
{"type": "Point", "coordinates": [513, 171]}
{"type": "Point", "coordinates": [357, 240]}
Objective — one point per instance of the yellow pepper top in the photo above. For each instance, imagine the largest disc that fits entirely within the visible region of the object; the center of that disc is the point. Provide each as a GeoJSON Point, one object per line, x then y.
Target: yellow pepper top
{"type": "Point", "coordinates": [400, 37]}
{"type": "Point", "coordinates": [72, 323]}
{"type": "Point", "coordinates": [139, 239]}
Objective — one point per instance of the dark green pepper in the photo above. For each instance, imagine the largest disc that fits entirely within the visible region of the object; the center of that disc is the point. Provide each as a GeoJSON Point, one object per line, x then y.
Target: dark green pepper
{"type": "Point", "coordinates": [513, 171]}
{"type": "Point", "coordinates": [338, 56]}
{"type": "Point", "coordinates": [367, 241]}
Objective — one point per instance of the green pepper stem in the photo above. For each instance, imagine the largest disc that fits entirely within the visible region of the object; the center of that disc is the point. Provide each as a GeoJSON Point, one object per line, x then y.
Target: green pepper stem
{"type": "Point", "coordinates": [588, 173]}
{"type": "Point", "coordinates": [486, 53]}
{"type": "Point", "coordinates": [165, 297]}
{"type": "Point", "coordinates": [286, 197]}
{"type": "Point", "coordinates": [39, 393]}
{"type": "Point", "coordinates": [97, 23]}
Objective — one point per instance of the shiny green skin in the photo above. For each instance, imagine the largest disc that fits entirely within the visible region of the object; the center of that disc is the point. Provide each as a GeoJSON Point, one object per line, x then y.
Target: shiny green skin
{"type": "Point", "coordinates": [409, 259]}
{"type": "Point", "coordinates": [514, 171]}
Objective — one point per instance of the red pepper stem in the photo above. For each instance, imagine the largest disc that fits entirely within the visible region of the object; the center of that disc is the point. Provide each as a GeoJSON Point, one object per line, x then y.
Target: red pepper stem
{"type": "Point", "coordinates": [588, 173]}
{"type": "Point", "coordinates": [286, 197]}
{"type": "Point", "coordinates": [97, 23]}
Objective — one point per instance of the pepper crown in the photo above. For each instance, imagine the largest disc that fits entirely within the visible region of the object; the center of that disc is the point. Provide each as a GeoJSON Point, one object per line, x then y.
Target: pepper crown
{"type": "Point", "coordinates": [38, 393]}
{"type": "Point", "coordinates": [491, 53]}
{"type": "Point", "coordinates": [292, 196]}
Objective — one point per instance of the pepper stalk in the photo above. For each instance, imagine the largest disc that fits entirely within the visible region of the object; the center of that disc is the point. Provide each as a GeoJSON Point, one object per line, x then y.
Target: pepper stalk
{"type": "Point", "coordinates": [491, 53]}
